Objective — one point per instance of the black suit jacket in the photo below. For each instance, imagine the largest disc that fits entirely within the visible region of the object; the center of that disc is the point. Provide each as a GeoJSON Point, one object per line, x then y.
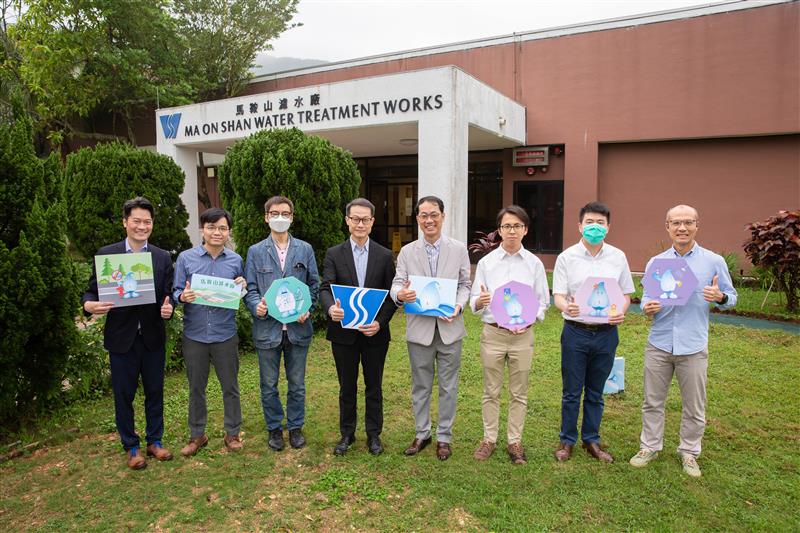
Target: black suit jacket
{"type": "Point", "coordinates": [339, 268]}
{"type": "Point", "coordinates": [122, 323]}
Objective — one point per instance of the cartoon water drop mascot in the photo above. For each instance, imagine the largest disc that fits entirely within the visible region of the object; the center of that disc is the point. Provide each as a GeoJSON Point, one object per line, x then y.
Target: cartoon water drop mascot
{"type": "Point", "coordinates": [285, 301]}
{"type": "Point", "coordinates": [598, 300]}
{"type": "Point", "coordinates": [668, 284]}
{"type": "Point", "coordinates": [429, 297]}
{"type": "Point", "coordinates": [129, 286]}
{"type": "Point", "coordinates": [513, 307]}
{"type": "Point", "coordinates": [117, 276]}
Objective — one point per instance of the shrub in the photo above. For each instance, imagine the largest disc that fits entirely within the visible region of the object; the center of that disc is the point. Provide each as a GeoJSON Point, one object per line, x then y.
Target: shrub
{"type": "Point", "coordinates": [732, 262]}
{"type": "Point", "coordinates": [484, 243]}
{"type": "Point", "coordinates": [774, 244]}
{"type": "Point", "coordinates": [87, 373]}
{"type": "Point", "coordinates": [98, 181]}
{"type": "Point", "coordinates": [40, 294]}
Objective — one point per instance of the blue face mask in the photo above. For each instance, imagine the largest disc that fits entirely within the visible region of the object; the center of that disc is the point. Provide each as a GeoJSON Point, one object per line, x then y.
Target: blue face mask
{"type": "Point", "coordinates": [594, 233]}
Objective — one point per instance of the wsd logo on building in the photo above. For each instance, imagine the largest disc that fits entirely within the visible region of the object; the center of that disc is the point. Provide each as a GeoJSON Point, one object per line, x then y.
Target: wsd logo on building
{"type": "Point", "coordinates": [170, 124]}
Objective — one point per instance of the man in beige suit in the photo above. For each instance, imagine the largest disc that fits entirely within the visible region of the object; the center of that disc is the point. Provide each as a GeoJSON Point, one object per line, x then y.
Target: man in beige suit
{"type": "Point", "coordinates": [433, 342]}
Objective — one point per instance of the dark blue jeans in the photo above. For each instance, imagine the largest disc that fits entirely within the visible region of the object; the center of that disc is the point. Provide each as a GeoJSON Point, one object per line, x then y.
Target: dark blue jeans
{"type": "Point", "coordinates": [269, 365]}
{"type": "Point", "coordinates": [586, 360]}
{"type": "Point", "coordinates": [125, 371]}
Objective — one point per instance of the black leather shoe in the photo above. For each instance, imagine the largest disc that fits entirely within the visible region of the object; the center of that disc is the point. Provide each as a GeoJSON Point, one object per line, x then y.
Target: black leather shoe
{"type": "Point", "coordinates": [374, 445]}
{"type": "Point", "coordinates": [296, 438]}
{"type": "Point", "coordinates": [276, 441]}
{"type": "Point", "coordinates": [344, 444]}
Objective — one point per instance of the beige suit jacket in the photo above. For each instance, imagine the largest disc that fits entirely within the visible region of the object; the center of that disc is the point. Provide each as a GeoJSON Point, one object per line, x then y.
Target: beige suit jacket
{"type": "Point", "coordinates": [453, 263]}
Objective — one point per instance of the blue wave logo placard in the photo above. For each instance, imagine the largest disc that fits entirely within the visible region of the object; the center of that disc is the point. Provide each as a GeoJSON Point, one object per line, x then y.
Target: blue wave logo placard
{"type": "Point", "coordinates": [360, 304]}
{"type": "Point", "coordinates": [170, 124]}
{"type": "Point", "coordinates": [435, 296]}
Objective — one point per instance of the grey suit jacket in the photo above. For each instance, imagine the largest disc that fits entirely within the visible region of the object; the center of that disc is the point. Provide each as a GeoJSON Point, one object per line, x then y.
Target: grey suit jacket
{"type": "Point", "coordinates": [453, 264]}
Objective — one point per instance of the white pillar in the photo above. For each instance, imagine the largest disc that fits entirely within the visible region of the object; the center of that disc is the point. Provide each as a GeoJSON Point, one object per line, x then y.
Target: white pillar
{"type": "Point", "coordinates": [186, 158]}
{"type": "Point", "coordinates": [443, 158]}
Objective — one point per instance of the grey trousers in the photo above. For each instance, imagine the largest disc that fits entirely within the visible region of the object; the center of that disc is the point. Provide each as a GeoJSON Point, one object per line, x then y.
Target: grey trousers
{"type": "Point", "coordinates": [691, 372]}
{"type": "Point", "coordinates": [225, 357]}
{"type": "Point", "coordinates": [425, 361]}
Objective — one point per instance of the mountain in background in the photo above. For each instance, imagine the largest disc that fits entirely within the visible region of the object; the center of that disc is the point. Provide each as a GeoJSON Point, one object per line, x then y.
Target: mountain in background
{"type": "Point", "coordinates": [266, 64]}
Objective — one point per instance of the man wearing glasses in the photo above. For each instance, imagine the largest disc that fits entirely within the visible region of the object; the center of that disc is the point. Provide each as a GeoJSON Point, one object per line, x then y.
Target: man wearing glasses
{"type": "Point", "coordinates": [279, 256]}
{"type": "Point", "coordinates": [678, 344]}
{"type": "Point", "coordinates": [359, 262]}
{"type": "Point", "coordinates": [209, 333]}
{"type": "Point", "coordinates": [434, 344]}
{"type": "Point", "coordinates": [135, 338]}
{"type": "Point", "coordinates": [499, 346]}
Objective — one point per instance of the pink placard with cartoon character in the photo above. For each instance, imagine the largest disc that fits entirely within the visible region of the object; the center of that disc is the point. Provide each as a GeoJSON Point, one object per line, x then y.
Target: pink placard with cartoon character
{"type": "Point", "coordinates": [599, 299]}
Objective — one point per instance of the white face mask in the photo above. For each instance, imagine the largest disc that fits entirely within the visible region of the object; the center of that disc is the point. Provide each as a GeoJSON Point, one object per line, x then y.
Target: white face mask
{"type": "Point", "coordinates": [280, 224]}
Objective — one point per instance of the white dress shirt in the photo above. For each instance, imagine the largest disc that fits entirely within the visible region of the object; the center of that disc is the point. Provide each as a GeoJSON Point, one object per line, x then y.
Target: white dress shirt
{"type": "Point", "coordinates": [575, 264]}
{"type": "Point", "coordinates": [498, 267]}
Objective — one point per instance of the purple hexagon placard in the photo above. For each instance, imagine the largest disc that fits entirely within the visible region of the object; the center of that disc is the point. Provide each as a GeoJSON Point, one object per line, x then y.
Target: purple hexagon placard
{"type": "Point", "coordinates": [514, 305]}
{"type": "Point", "coordinates": [599, 298]}
{"type": "Point", "coordinates": [670, 281]}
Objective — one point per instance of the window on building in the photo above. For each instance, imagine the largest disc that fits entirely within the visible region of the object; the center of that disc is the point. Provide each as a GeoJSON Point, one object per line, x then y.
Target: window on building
{"type": "Point", "coordinates": [484, 197]}
{"type": "Point", "coordinates": [544, 203]}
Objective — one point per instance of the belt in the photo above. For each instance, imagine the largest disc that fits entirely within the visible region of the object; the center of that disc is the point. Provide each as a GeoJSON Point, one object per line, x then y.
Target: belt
{"type": "Point", "coordinates": [590, 327]}
{"type": "Point", "coordinates": [493, 324]}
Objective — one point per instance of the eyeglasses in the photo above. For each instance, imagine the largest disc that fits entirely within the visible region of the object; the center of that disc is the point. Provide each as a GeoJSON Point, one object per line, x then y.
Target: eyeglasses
{"type": "Point", "coordinates": [360, 220]}
{"type": "Point", "coordinates": [675, 224]}
{"type": "Point", "coordinates": [276, 214]}
{"type": "Point", "coordinates": [140, 222]}
{"type": "Point", "coordinates": [433, 216]}
{"type": "Point", "coordinates": [515, 227]}
{"type": "Point", "coordinates": [213, 229]}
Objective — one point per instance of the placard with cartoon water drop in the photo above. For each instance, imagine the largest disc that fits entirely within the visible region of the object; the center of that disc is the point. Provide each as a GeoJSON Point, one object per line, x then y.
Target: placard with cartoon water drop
{"type": "Point", "coordinates": [599, 299]}
{"type": "Point", "coordinates": [670, 281]}
{"type": "Point", "coordinates": [287, 299]}
{"type": "Point", "coordinates": [125, 279]}
{"type": "Point", "coordinates": [435, 296]}
{"type": "Point", "coordinates": [360, 304]}
{"type": "Point", "coordinates": [514, 305]}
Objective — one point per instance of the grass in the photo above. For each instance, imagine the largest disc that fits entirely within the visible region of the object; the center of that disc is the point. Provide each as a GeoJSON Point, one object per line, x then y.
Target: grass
{"type": "Point", "coordinates": [750, 459]}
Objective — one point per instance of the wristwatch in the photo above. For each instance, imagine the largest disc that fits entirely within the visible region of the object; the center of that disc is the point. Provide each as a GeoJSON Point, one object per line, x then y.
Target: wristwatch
{"type": "Point", "coordinates": [724, 299]}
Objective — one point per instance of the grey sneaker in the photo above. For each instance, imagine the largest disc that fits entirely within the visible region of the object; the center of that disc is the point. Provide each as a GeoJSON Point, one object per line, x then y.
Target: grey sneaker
{"type": "Point", "coordinates": [690, 465]}
{"type": "Point", "coordinates": [643, 458]}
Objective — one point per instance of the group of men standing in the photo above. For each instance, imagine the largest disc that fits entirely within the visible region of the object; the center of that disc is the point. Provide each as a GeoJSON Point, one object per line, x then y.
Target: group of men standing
{"type": "Point", "coordinates": [135, 338]}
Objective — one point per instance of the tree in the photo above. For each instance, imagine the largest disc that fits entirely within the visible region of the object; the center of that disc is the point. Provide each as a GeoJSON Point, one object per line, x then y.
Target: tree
{"type": "Point", "coordinates": [98, 181]}
{"type": "Point", "coordinates": [40, 295]}
{"type": "Point", "coordinates": [140, 268]}
{"type": "Point", "coordinates": [774, 244]}
{"type": "Point", "coordinates": [317, 176]}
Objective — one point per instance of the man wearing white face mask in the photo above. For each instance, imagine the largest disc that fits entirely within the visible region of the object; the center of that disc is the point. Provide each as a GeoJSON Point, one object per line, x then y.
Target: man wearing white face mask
{"type": "Point", "coordinates": [278, 256]}
{"type": "Point", "coordinates": [587, 350]}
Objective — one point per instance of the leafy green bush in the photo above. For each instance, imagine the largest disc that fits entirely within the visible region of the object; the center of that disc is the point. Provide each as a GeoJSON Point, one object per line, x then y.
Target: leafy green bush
{"type": "Point", "coordinates": [87, 373]}
{"type": "Point", "coordinates": [774, 244]}
{"type": "Point", "coordinates": [174, 344]}
{"type": "Point", "coordinates": [732, 262]}
{"type": "Point", "coordinates": [98, 181]}
{"type": "Point", "coordinates": [40, 294]}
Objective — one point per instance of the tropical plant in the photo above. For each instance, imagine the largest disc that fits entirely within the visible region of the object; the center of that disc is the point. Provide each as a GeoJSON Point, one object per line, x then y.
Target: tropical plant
{"type": "Point", "coordinates": [774, 244]}
{"type": "Point", "coordinates": [484, 243]}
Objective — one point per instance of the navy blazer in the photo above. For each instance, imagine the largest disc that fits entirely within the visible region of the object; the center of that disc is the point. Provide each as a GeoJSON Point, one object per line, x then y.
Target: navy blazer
{"type": "Point", "coordinates": [122, 323]}
{"type": "Point", "coordinates": [339, 268]}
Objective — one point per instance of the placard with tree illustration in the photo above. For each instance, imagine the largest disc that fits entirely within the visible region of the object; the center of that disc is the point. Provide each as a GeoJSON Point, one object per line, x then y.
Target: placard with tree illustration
{"type": "Point", "coordinates": [125, 279]}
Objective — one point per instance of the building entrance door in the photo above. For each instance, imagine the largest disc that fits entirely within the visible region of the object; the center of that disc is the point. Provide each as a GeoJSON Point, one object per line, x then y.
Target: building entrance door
{"type": "Point", "coordinates": [394, 201]}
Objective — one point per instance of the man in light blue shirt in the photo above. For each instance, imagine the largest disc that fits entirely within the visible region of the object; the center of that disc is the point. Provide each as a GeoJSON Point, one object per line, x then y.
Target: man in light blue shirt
{"type": "Point", "coordinates": [678, 344]}
{"type": "Point", "coordinates": [209, 333]}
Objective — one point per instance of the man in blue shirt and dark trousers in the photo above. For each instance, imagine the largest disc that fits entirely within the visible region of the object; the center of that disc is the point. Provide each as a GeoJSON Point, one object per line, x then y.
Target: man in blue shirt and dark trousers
{"type": "Point", "coordinates": [678, 344]}
{"type": "Point", "coordinates": [209, 333]}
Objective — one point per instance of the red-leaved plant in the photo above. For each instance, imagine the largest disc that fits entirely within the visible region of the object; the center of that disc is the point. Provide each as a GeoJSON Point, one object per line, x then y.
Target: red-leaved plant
{"type": "Point", "coordinates": [774, 244]}
{"type": "Point", "coordinates": [485, 242]}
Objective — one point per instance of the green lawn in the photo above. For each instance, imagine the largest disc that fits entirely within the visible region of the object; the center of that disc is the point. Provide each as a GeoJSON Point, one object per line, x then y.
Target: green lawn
{"type": "Point", "coordinates": [750, 460]}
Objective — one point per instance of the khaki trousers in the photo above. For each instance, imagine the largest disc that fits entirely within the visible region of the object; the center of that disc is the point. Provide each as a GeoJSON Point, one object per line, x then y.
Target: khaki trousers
{"type": "Point", "coordinates": [691, 371]}
{"type": "Point", "coordinates": [498, 347]}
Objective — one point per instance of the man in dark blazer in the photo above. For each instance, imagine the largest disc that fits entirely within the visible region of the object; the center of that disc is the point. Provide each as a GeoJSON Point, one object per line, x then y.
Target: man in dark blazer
{"type": "Point", "coordinates": [359, 262]}
{"type": "Point", "coordinates": [135, 337]}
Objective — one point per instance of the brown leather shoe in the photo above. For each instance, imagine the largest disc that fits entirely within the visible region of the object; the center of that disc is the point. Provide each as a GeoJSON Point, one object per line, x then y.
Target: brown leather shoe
{"type": "Point", "coordinates": [159, 452]}
{"type": "Point", "coordinates": [136, 460]}
{"type": "Point", "coordinates": [194, 445]}
{"type": "Point", "coordinates": [517, 454]}
{"type": "Point", "coordinates": [233, 443]}
{"type": "Point", "coordinates": [563, 452]}
{"type": "Point", "coordinates": [443, 451]}
{"type": "Point", "coordinates": [484, 451]}
{"type": "Point", "coordinates": [417, 446]}
{"type": "Point", "coordinates": [594, 449]}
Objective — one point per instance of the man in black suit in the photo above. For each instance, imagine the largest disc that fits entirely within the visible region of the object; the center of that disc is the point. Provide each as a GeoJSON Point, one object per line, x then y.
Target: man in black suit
{"type": "Point", "coordinates": [359, 262]}
{"type": "Point", "coordinates": [135, 338]}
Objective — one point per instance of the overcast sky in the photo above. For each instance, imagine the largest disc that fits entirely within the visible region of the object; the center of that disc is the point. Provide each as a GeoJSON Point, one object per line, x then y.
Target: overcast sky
{"type": "Point", "coordinates": [335, 30]}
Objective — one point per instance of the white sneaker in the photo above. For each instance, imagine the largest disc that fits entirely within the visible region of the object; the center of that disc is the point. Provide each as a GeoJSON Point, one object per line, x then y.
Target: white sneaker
{"type": "Point", "coordinates": [643, 458]}
{"type": "Point", "coordinates": [690, 465]}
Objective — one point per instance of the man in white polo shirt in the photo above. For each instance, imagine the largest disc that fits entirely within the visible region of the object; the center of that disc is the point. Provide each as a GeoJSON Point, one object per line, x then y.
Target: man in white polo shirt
{"type": "Point", "coordinates": [587, 350]}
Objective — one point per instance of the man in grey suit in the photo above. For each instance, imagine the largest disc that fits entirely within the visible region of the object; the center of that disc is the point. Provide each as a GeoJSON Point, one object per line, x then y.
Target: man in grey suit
{"type": "Point", "coordinates": [433, 342]}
